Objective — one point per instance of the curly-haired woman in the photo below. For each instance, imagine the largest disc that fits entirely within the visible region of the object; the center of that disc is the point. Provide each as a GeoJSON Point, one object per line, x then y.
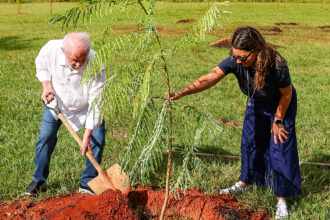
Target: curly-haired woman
{"type": "Point", "coordinates": [269, 146]}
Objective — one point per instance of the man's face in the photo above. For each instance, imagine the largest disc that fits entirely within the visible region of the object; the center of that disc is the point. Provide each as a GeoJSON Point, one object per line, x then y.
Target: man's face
{"type": "Point", "coordinates": [75, 58]}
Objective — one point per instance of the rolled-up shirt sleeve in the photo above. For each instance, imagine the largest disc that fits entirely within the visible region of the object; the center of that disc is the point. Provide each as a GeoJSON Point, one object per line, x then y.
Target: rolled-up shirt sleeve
{"type": "Point", "coordinates": [42, 69]}
{"type": "Point", "coordinates": [94, 120]}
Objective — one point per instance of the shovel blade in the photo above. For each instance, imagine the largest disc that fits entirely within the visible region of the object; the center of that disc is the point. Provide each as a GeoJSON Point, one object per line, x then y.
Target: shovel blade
{"type": "Point", "coordinates": [113, 178]}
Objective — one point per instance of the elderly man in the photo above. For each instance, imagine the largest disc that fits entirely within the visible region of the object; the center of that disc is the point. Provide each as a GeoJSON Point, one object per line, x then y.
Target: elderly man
{"type": "Point", "coordinates": [60, 65]}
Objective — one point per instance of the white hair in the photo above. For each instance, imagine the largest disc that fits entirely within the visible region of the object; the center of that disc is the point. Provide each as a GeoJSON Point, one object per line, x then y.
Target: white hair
{"type": "Point", "coordinates": [76, 40]}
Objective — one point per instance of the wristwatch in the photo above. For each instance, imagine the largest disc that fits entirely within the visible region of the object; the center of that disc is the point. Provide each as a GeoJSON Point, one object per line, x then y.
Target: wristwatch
{"type": "Point", "coordinates": [278, 121]}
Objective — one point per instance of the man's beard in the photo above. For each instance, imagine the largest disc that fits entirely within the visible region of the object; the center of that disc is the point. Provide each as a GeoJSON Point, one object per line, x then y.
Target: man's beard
{"type": "Point", "coordinates": [75, 67]}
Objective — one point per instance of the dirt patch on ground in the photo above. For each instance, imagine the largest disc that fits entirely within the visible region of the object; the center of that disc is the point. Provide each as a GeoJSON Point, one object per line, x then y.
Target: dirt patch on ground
{"type": "Point", "coordinates": [233, 124]}
{"type": "Point", "coordinates": [186, 21]}
{"type": "Point", "coordinates": [283, 23]}
{"type": "Point", "coordinates": [141, 203]}
{"type": "Point", "coordinates": [324, 27]}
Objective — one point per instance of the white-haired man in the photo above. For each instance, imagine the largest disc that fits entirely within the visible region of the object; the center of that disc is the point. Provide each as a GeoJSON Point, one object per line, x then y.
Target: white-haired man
{"type": "Point", "coordinates": [60, 65]}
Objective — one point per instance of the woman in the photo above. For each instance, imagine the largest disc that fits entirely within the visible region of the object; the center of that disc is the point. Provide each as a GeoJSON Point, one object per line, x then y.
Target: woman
{"type": "Point", "coordinates": [269, 147]}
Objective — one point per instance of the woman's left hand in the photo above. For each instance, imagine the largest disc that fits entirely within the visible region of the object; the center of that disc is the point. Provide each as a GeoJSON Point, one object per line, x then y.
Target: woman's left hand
{"type": "Point", "coordinates": [279, 132]}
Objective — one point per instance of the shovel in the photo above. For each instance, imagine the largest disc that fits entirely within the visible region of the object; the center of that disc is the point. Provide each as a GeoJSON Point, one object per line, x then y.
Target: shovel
{"type": "Point", "coordinates": [112, 178]}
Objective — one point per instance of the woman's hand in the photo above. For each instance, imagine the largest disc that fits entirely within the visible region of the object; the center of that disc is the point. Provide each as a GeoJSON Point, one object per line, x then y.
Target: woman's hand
{"type": "Point", "coordinates": [279, 132]}
{"type": "Point", "coordinates": [202, 83]}
{"type": "Point", "coordinates": [173, 96]}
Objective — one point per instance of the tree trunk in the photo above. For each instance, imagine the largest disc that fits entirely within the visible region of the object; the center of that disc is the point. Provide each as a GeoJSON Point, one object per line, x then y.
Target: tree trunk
{"type": "Point", "coordinates": [167, 192]}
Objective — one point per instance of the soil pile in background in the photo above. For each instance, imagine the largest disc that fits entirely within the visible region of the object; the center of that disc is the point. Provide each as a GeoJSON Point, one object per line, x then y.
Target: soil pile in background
{"type": "Point", "coordinates": [142, 203]}
{"type": "Point", "coordinates": [223, 43]}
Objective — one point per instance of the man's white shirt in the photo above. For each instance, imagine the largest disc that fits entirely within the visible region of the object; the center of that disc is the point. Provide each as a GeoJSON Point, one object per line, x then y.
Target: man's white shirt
{"type": "Point", "coordinates": [74, 98]}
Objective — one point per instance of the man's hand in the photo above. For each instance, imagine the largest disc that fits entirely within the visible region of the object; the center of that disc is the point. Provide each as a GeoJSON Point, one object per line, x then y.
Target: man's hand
{"type": "Point", "coordinates": [86, 142]}
{"type": "Point", "coordinates": [279, 132]}
{"type": "Point", "coordinates": [47, 92]}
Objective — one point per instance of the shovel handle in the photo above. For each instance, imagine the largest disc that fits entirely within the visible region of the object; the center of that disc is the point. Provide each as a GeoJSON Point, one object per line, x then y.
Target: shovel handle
{"type": "Point", "coordinates": [79, 141]}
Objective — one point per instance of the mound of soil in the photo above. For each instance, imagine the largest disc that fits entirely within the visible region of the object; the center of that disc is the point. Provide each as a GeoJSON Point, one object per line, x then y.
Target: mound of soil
{"type": "Point", "coordinates": [223, 43]}
{"type": "Point", "coordinates": [141, 203]}
{"type": "Point", "coordinates": [186, 21]}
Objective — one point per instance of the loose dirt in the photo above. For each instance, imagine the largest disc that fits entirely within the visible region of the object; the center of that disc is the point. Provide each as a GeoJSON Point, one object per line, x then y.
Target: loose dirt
{"type": "Point", "coordinates": [141, 203]}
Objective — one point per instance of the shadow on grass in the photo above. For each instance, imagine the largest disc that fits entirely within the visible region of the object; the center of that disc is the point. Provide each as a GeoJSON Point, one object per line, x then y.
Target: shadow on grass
{"type": "Point", "coordinates": [15, 43]}
{"type": "Point", "coordinates": [315, 183]}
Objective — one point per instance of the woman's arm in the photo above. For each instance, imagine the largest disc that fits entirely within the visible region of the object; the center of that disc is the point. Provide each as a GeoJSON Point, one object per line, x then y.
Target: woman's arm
{"type": "Point", "coordinates": [285, 100]}
{"type": "Point", "coordinates": [278, 129]}
{"type": "Point", "coordinates": [202, 83]}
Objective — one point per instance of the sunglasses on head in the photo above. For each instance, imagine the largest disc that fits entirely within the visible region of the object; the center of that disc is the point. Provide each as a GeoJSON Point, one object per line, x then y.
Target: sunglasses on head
{"type": "Point", "coordinates": [243, 59]}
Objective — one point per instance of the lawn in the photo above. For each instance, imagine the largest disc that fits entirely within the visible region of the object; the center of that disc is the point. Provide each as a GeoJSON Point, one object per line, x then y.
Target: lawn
{"type": "Point", "coordinates": [305, 45]}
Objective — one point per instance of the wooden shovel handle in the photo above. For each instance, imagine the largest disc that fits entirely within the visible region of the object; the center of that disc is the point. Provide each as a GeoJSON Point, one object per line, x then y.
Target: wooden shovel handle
{"type": "Point", "coordinates": [79, 141]}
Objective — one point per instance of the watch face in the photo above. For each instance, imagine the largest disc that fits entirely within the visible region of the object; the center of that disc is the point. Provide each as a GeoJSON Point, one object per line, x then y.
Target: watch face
{"type": "Point", "coordinates": [278, 121]}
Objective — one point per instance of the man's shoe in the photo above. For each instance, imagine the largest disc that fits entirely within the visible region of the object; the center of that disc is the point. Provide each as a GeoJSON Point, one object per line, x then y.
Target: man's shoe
{"type": "Point", "coordinates": [237, 187]}
{"type": "Point", "coordinates": [86, 189]}
{"type": "Point", "coordinates": [281, 210]}
{"type": "Point", "coordinates": [34, 188]}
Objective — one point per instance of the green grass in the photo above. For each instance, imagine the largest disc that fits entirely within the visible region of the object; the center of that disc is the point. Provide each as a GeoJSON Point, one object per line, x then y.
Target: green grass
{"type": "Point", "coordinates": [306, 48]}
